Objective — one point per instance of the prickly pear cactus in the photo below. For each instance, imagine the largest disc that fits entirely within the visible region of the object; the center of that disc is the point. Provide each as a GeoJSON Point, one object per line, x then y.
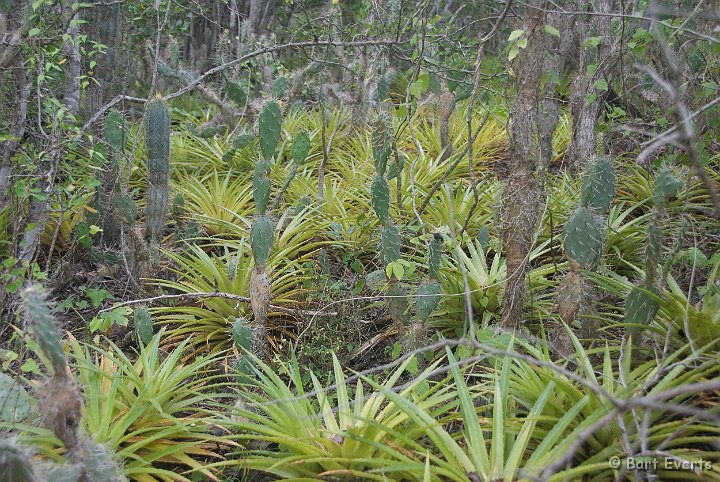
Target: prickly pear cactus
{"type": "Point", "coordinates": [641, 306]}
{"type": "Point", "coordinates": [269, 125]}
{"type": "Point", "coordinates": [584, 235]}
{"type": "Point", "coordinates": [126, 208]}
{"type": "Point", "coordinates": [300, 147]}
{"type": "Point", "coordinates": [158, 150]}
{"type": "Point", "coordinates": [389, 244]}
{"type": "Point", "coordinates": [15, 464]}
{"type": "Point", "coordinates": [280, 87]}
{"type": "Point", "coordinates": [44, 327]}
{"type": "Point", "coordinates": [143, 324]}
{"type": "Point", "coordinates": [381, 145]}
{"type": "Point", "coordinates": [427, 299]}
{"type": "Point", "coordinates": [381, 198]}
{"type": "Point", "coordinates": [666, 187]}
{"type": "Point", "coordinates": [261, 187]}
{"type": "Point", "coordinates": [397, 302]}
{"type": "Point", "coordinates": [242, 334]}
{"type": "Point", "coordinates": [598, 186]}
{"type": "Point", "coordinates": [261, 239]}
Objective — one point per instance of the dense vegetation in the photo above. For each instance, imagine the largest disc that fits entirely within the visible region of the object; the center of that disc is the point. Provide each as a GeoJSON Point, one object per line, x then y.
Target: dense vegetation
{"type": "Point", "coordinates": [358, 240]}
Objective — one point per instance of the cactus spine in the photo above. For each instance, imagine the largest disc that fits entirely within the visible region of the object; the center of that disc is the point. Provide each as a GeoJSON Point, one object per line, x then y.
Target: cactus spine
{"type": "Point", "coordinates": [158, 152]}
{"type": "Point", "coordinates": [585, 237]}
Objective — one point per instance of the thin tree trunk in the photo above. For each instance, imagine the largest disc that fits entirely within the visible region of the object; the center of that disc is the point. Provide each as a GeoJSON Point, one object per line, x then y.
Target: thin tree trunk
{"type": "Point", "coordinates": [521, 193]}
{"type": "Point", "coordinates": [588, 95]}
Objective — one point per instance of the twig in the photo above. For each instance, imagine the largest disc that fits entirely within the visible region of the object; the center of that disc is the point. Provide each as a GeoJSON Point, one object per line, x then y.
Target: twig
{"type": "Point", "coordinates": [216, 294]}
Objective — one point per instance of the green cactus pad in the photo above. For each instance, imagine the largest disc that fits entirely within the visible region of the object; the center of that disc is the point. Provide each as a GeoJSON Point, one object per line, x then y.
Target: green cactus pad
{"type": "Point", "coordinates": [428, 299]}
{"type": "Point", "coordinates": [15, 464]}
{"type": "Point", "coordinates": [243, 140]}
{"type": "Point", "coordinates": [280, 87]}
{"type": "Point", "coordinates": [115, 130]}
{"type": "Point", "coordinates": [397, 302]}
{"type": "Point", "coordinates": [381, 146]}
{"type": "Point", "coordinates": [434, 254]}
{"type": "Point", "coordinates": [261, 239]}
{"type": "Point", "coordinates": [395, 168]}
{"type": "Point", "coordinates": [126, 207]}
{"type": "Point", "coordinates": [236, 93]}
{"type": "Point", "coordinates": [15, 403]}
{"type": "Point", "coordinates": [641, 305]}
{"type": "Point", "coordinates": [242, 334]}
{"type": "Point", "coordinates": [584, 236]}
{"type": "Point", "coordinates": [598, 187]}
{"type": "Point", "coordinates": [245, 366]}
{"type": "Point", "coordinates": [269, 125]}
{"type": "Point", "coordinates": [666, 186]}
{"type": "Point", "coordinates": [143, 324]}
{"type": "Point", "coordinates": [381, 198]}
{"type": "Point", "coordinates": [300, 147]}
{"type": "Point", "coordinates": [389, 244]}
{"type": "Point", "coordinates": [261, 189]}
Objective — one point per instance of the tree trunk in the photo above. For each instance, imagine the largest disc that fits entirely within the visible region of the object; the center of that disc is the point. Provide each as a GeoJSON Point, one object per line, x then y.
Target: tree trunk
{"type": "Point", "coordinates": [521, 193]}
{"type": "Point", "coordinates": [588, 88]}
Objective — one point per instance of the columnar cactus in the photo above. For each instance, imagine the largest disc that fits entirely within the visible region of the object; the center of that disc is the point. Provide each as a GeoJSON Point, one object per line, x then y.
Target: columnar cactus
{"type": "Point", "coordinates": [158, 152]}
{"type": "Point", "coordinates": [585, 236]}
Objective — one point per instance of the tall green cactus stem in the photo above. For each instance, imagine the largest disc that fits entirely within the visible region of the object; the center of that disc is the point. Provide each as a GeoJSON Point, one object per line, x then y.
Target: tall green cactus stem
{"type": "Point", "coordinates": [158, 151]}
{"type": "Point", "coordinates": [269, 127]}
{"type": "Point", "coordinates": [43, 325]}
{"type": "Point", "coordinates": [434, 255]}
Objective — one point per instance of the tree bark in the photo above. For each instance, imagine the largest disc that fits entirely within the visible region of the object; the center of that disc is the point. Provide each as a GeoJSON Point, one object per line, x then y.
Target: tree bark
{"type": "Point", "coordinates": [521, 193]}
{"type": "Point", "coordinates": [587, 98]}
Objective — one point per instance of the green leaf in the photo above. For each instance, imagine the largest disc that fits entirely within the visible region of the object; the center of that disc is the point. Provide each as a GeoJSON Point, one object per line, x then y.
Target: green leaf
{"type": "Point", "coordinates": [593, 41]}
{"type": "Point", "coordinates": [515, 34]}
{"type": "Point", "coordinates": [601, 85]}
{"type": "Point", "coordinates": [33, 32]}
{"type": "Point", "coordinates": [549, 29]}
